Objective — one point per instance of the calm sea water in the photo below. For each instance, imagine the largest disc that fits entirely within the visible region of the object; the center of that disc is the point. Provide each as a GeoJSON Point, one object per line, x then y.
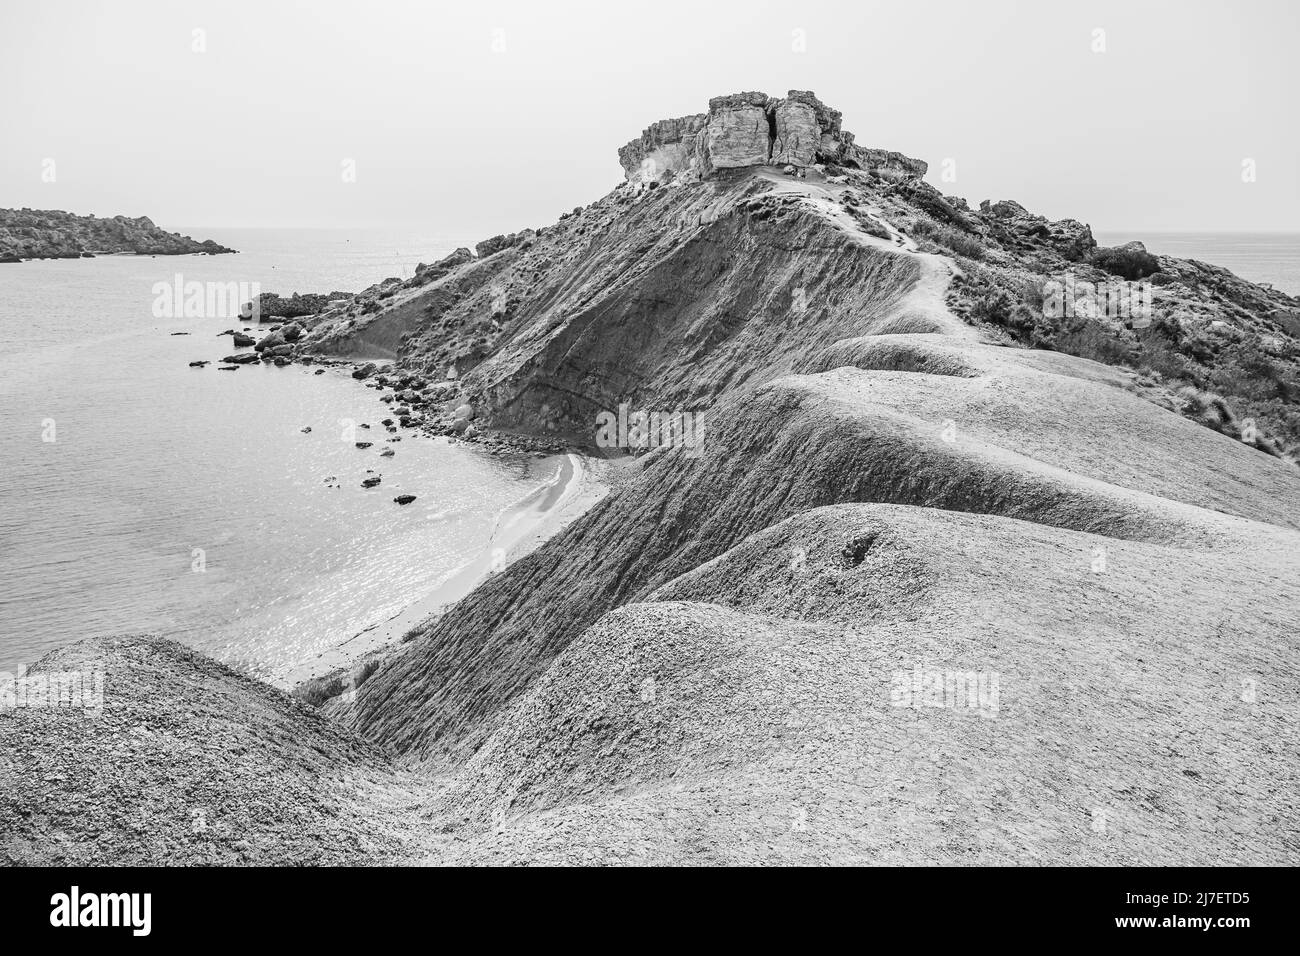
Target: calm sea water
{"type": "Point", "coordinates": [141, 495]}
{"type": "Point", "coordinates": [1258, 256]}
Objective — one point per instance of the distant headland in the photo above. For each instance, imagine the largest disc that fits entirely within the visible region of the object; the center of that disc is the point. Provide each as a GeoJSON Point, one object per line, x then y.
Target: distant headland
{"type": "Point", "coordinates": [54, 234]}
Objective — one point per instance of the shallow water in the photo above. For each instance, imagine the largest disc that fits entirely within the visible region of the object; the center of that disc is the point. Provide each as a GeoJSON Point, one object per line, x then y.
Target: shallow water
{"type": "Point", "coordinates": [188, 502]}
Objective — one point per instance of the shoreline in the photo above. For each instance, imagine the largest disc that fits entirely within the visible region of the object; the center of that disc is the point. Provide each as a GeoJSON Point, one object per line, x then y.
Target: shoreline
{"type": "Point", "coordinates": [577, 484]}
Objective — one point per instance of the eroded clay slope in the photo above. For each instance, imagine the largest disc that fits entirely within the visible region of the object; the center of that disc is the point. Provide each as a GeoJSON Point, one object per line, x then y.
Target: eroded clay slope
{"type": "Point", "coordinates": [1021, 448]}
{"type": "Point", "coordinates": [749, 711]}
{"type": "Point", "coordinates": [187, 763]}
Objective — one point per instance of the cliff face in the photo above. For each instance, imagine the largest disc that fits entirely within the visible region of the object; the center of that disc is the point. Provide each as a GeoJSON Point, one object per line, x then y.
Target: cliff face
{"type": "Point", "coordinates": [54, 234]}
{"type": "Point", "coordinates": [754, 129]}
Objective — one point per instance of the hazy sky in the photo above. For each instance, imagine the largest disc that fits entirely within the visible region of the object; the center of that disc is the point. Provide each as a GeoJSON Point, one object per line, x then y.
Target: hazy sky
{"type": "Point", "coordinates": [477, 117]}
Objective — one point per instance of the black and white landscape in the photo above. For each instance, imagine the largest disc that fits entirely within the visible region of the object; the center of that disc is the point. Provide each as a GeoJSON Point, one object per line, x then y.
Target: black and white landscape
{"type": "Point", "coordinates": [837, 434]}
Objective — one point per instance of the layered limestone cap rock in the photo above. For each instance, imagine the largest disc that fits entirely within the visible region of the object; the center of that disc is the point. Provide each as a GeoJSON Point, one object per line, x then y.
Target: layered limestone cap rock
{"type": "Point", "coordinates": [754, 129]}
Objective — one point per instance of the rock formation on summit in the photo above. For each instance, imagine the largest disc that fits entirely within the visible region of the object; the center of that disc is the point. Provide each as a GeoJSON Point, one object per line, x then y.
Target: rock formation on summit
{"type": "Point", "coordinates": [754, 129]}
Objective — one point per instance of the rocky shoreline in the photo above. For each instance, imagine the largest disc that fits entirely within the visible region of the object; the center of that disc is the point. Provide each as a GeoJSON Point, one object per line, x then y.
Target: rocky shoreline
{"type": "Point", "coordinates": [54, 234]}
{"type": "Point", "coordinates": [430, 407]}
{"type": "Point", "coordinates": [419, 408]}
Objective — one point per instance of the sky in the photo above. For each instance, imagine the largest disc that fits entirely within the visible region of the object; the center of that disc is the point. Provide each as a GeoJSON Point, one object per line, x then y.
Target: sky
{"type": "Point", "coordinates": [483, 117]}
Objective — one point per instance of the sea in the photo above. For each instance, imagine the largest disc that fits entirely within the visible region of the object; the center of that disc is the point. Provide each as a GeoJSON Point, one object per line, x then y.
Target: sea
{"type": "Point", "coordinates": [1258, 256]}
{"type": "Point", "coordinates": [140, 495]}
{"type": "Point", "coordinates": [143, 496]}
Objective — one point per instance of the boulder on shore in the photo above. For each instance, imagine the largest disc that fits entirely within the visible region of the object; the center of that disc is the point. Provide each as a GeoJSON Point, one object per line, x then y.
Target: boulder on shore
{"type": "Point", "coordinates": [270, 341]}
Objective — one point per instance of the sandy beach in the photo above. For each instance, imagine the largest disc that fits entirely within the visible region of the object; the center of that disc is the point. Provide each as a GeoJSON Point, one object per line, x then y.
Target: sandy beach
{"type": "Point", "coordinates": [568, 486]}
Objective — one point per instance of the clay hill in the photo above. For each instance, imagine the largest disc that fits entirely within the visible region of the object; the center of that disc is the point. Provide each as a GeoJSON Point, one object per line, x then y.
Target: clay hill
{"type": "Point", "coordinates": [951, 578]}
{"type": "Point", "coordinates": [54, 234]}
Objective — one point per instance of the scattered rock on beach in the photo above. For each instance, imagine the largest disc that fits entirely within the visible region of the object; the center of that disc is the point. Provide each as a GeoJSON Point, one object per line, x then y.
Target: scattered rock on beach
{"type": "Point", "coordinates": [364, 444]}
{"type": "Point", "coordinates": [404, 499]}
{"type": "Point", "coordinates": [387, 453]}
{"type": "Point", "coordinates": [199, 364]}
{"type": "Point", "coordinates": [370, 482]}
{"type": "Point", "coordinates": [270, 341]}
{"type": "Point", "coordinates": [241, 359]}
{"type": "Point", "coordinates": [242, 341]}
{"type": "Point", "coordinates": [306, 429]}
